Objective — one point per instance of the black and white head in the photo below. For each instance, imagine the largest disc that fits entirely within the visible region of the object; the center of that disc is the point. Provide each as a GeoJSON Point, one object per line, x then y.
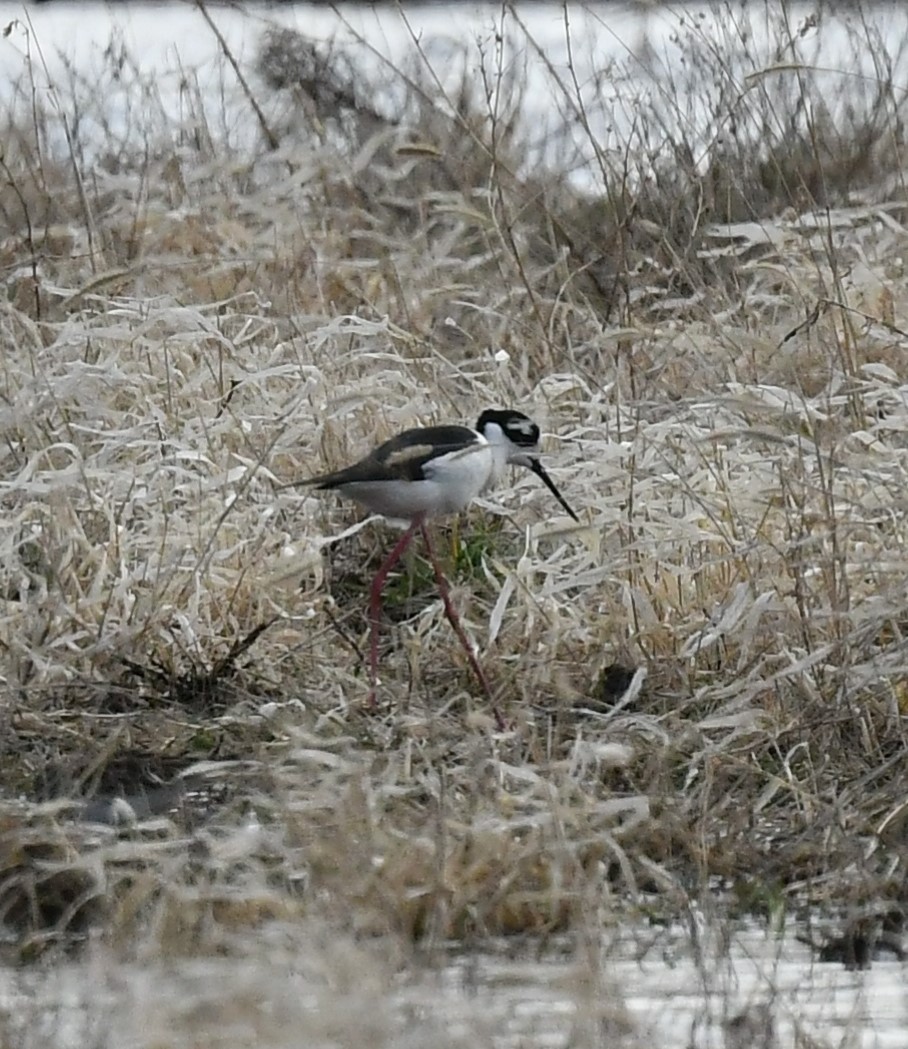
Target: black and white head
{"type": "Point", "coordinates": [515, 439]}
{"type": "Point", "coordinates": [512, 431]}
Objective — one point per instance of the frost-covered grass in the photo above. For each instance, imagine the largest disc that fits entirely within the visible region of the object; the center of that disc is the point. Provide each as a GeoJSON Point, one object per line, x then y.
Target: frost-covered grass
{"type": "Point", "coordinates": [713, 342]}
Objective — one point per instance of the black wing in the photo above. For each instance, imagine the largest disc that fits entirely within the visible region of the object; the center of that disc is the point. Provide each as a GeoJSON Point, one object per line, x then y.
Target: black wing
{"type": "Point", "coordinates": [402, 458]}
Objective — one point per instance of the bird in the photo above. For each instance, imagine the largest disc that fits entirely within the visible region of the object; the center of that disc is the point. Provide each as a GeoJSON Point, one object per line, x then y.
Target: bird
{"type": "Point", "coordinates": [429, 472]}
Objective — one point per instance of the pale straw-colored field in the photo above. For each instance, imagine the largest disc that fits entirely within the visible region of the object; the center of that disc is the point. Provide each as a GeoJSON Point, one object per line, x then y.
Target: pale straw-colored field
{"type": "Point", "coordinates": [704, 681]}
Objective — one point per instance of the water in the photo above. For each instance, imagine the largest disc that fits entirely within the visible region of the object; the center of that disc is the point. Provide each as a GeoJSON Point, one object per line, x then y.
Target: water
{"type": "Point", "coordinates": [310, 988]}
{"type": "Point", "coordinates": [582, 73]}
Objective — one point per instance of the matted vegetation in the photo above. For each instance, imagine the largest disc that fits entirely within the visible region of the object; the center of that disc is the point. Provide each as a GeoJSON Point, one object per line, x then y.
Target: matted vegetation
{"type": "Point", "coordinates": [704, 681]}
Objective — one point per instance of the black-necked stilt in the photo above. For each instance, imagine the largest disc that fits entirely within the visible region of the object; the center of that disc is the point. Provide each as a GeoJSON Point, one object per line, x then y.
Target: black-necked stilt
{"type": "Point", "coordinates": [429, 471]}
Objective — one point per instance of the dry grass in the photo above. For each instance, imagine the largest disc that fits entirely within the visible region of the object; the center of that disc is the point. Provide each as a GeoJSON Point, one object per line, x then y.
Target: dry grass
{"type": "Point", "coordinates": [713, 341]}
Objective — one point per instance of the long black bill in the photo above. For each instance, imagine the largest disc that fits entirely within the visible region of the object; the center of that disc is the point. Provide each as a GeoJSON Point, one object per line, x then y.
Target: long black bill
{"type": "Point", "coordinates": [538, 469]}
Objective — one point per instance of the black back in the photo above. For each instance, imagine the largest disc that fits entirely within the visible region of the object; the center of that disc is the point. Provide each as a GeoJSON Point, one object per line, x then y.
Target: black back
{"type": "Point", "coordinates": [401, 458]}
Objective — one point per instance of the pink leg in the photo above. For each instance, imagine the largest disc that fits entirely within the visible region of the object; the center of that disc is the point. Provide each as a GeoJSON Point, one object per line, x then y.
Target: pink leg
{"type": "Point", "coordinates": [454, 620]}
{"type": "Point", "coordinates": [378, 584]}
